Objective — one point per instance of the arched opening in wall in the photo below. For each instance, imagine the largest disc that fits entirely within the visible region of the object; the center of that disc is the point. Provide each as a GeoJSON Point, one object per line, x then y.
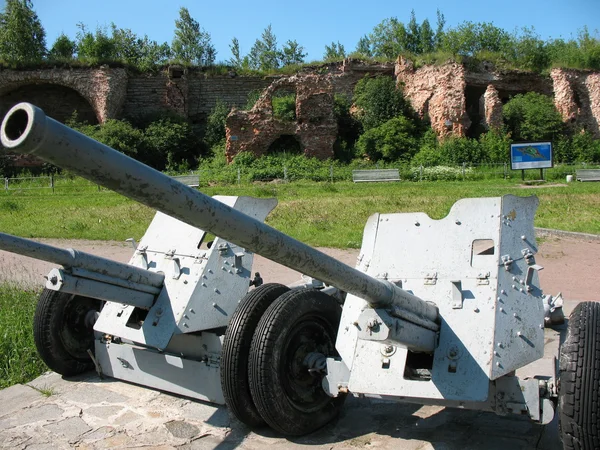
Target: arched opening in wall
{"type": "Point", "coordinates": [58, 102]}
{"type": "Point", "coordinates": [473, 95]}
{"type": "Point", "coordinates": [286, 144]}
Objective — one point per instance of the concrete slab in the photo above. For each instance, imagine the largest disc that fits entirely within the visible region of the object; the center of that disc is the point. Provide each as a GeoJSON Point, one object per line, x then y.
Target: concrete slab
{"type": "Point", "coordinates": [16, 397]}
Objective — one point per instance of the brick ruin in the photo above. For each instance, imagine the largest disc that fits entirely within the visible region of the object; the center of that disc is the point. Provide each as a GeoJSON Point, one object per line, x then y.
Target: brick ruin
{"type": "Point", "coordinates": [315, 126]}
{"type": "Point", "coordinates": [456, 100]}
{"type": "Point", "coordinates": [466, 103]}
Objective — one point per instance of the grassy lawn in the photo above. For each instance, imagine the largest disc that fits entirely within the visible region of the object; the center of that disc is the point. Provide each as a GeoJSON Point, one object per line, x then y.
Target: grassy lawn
{"type": "Point", "coordinates": [19, 362]}
{"type": "Point", "coordinates": [320, 214]}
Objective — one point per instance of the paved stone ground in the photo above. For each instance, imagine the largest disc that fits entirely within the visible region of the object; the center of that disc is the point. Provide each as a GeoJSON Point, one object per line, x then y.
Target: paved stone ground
{"type": "Point", "coordinates": [92, 413]}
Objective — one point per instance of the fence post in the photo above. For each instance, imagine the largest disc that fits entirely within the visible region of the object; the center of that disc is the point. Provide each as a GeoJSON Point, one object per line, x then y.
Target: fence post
{"type": "Point", "coordinates": [6, 183]}
{"type": "Point", "coordinates": [505, 171]}
{"type": "Point", "coordinates": [239, 176]}
{"type": "Point", "coordinates": [463, 169]}
{"type": "Point", "coordinates": [421, 173]}
{"type": "Point", "coordinates": [285, 176]}
{"type": "Point", "coordinates": [52, 182]}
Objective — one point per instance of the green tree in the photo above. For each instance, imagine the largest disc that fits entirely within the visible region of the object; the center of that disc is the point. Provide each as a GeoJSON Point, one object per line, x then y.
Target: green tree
{"type": "Point", "coordinates": [236, 60]}
{"type": "Point", "coordinates": [191, 44]}
{"type": "Point", "coordinates": [292, 53]}
{"type": "Point", "coordinates": [532, 117]}
{"type": "Point", "coordinates": [334, 51]}
{"type": "Point", "coordinates": [137, 51]}
{"type": "Point", "coordinates": [94, 47]}
{"type": "Point", "coordinates": [378, 101]}
{"type": "Point", "coordinates": [364, 47]}
{"type": "Point", "coordinates": [214, 133]}
{"type": "Point", "coordinates": [389, 38]}
{"type": "Point", "coordinates": [427, 37]}
{"type": "Point", "coordinates": [264, 54]}
{"type": "Point", "coordinates": [22, 37]}
{"type": "Point", "coordinates": [393, 140]}
{"type": "Point", "coordinates": [439, 30]}
{"type": "Point", "coordinates": [63, 48]}
{"type": "Point", "coordinates": [413, 35]}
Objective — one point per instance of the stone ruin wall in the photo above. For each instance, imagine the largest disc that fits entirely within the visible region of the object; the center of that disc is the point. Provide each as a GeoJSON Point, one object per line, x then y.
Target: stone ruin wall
{"type": "Point", "coordinates": [315, 127]}
{"type": "Point", "coordinates": [449, 95]}
{"type": "Point", "coordinates": [455, 100]}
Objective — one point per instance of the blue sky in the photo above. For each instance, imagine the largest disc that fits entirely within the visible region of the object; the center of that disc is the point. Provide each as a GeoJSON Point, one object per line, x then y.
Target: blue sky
{"type": "Point", "coordinates": [313, 23]}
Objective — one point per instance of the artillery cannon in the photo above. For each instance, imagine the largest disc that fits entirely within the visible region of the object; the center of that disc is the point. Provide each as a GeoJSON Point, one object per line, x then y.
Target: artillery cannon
{"type": "Point", "coordinates": [436, 312]}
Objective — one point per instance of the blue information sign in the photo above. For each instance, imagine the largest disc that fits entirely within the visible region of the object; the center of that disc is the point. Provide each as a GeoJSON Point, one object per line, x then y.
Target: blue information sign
{"type": "Point", "coordinates": [531, 155]}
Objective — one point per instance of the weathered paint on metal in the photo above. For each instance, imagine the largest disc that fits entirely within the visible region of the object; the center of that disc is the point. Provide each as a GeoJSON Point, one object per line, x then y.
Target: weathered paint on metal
{"type": "Point", "coordinates": [74, 258]}
{"type": "Point", "coordinates": [26, 129]}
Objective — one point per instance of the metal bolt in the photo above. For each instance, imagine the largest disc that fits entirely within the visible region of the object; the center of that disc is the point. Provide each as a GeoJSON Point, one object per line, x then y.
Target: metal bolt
{"type": "Point", "coordinates": [417, 223]}
{"type": "Point", "coordinates": [497, 364]}
{"type": "Point", "coordinates": [457, 222]}
{"type": "Point", "coordinates": [54, 280]}
{"type": "Point", "coordinates": [476, 310]}
{"type": "Point", "coordinates": [185, 325]}
{"type": "Point", "coordinates": [514, 278]}
{"type": "Point", "coordinates": [501, 309]}
{"type": "Point", "coordinates": [203, 284]}
{"type": "Point", "coordinates": [192, 311]}
{"type": "Point", "coordinates": [216, 290]}
{"type": "Point", "coordinates": [499, 344]}
{"type": "Point", "coordinates": [514, 286]}
{"type": "Point", "coordinates": [519, 334]}
{"type": "Point", "coordinates": [214, 305]}
{"type": "Point", "coordinates": [523, 237]}
{"type": "Point", "coordinates": [503, 291]}
{"type": "Point", "coordinates": [496, 353]}
{"type": "Point", "coordinates": [515, 315]}
{"type": "Point", "coordinates": [521, 290]}
{"type": "Point", "coordinates": [389, 348]}
{"type": "Point", "coordinates": [223, 268]}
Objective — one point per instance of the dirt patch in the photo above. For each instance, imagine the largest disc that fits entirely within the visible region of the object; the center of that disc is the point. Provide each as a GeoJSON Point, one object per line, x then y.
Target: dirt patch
{"type": "Point", "coordinates": [570, 264]}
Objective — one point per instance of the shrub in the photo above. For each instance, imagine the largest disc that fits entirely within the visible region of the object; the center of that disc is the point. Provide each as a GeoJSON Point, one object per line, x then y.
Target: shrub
{"type": "Point", "coordinates": [428, 156]}
{"type": "Point", "coordinates": [532, 117]}
{"type": "Point", "coordinates": [215, 125]}
{"type": "Point", "coordinates": [171, 144]}
{"type": "Point", "coordinates": [284, 106]}
{"type": "Point", "coordinates": [378, 101]}
{"type": "Point", "coordinates": [393, 140]}
{"type": "Point", "coordinates": [458, 150]}
{"type": "Point", "coordinates": [495, 146]}
{"type": "Point", "coordinates": [585, 148]}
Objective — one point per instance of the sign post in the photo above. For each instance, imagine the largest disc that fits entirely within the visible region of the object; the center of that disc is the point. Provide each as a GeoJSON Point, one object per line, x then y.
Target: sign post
{"type": "Point", "coordinates": [531, 155]}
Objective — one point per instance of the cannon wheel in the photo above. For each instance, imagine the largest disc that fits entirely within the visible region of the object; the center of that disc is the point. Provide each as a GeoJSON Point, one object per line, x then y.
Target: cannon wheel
{"type": "Point", "coordinates": [236, 349]}
{"type": "Point", "coordinates": [579, 393]}
{"type": "Point", "coordinates": [288, 397]}
{"type": "Point", "coordinates": [63, 331]}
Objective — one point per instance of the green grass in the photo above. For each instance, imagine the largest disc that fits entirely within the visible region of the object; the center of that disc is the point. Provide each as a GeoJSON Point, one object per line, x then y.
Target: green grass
{"type": "Point", "coordinates": [320, 214]}
{"type": "Point", "coordinates": [19, 361]}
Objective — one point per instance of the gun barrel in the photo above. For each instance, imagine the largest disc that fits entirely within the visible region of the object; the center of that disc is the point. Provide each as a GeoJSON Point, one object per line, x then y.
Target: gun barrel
{"type": "Point", "coordinates": [74, 258]}
{"type": "Point", "coordinates": [26, 129]}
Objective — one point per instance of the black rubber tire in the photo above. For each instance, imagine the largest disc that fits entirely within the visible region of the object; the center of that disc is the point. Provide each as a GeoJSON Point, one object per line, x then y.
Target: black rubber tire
{"type": "Point", "coordinates": [289, 398]}
{"type": "Point", "coordinates": [236, 350]}
{"type": "Point", "coordinates": [579, 391]}
{"type": "Point", "coordinates": [60, 333]}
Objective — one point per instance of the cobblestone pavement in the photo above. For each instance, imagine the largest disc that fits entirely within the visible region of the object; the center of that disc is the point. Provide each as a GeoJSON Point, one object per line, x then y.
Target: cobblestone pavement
{"type": "Point", "coordinates": [92, 413]}
{"type": "Point", "coordinates": [87, 412]}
